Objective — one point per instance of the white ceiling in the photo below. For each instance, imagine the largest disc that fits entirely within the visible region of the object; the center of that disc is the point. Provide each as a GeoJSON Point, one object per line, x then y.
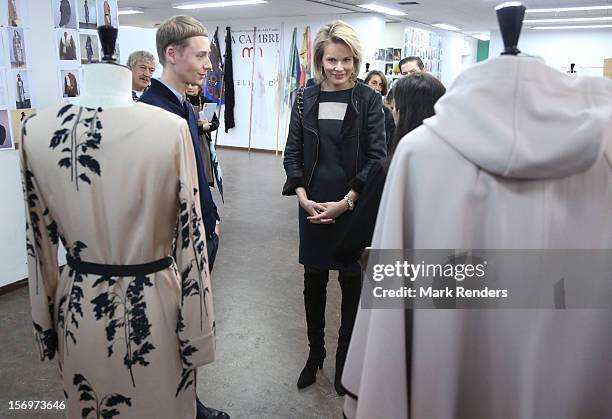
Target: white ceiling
{"type": "Point", "coordinates": [470, 15]}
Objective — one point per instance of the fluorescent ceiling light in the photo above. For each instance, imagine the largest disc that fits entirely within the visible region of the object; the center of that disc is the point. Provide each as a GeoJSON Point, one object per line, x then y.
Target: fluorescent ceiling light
{"type": "Point", "coordinates": [130, 11]}
{"type": "Point", "coordinates": [382, 9]}
{"type": "Point", "coordinates": [446, 26]}
{"type": "Point", "coordinates": [572, 27]}
{"type": "Point", "coordinates": [569, 19]}
{"type": "Point", "coordinates": [205, 5]}
{"type": "Point", "coordinates": [569, 9]}
{"type": "Point", "coordinates": [482, 36]}
{"type": "Point", "coordinates": [509, 4]}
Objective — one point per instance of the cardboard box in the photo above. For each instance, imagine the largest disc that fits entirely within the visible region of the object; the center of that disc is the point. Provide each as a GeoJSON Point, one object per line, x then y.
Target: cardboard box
{"type": "Point", "coordinates": [608, 68]}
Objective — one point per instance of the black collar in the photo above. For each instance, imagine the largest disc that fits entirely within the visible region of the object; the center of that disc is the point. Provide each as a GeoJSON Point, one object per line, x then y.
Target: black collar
{"type": "Point", "coordinates": [161, 89]}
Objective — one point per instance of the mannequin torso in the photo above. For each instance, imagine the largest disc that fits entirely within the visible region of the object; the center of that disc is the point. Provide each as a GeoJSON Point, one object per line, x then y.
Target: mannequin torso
{"type": "Point", "coordinates": [106, 86]}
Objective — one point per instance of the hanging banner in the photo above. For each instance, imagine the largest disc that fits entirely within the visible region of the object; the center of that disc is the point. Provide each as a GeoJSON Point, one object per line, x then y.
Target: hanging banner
{"type": "Point", "coordinates": [256, 62]}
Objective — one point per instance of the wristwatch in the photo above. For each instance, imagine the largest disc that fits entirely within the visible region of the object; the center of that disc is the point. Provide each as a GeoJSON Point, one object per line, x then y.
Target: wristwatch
{"type": "Point", "coordinates": [349, 202]}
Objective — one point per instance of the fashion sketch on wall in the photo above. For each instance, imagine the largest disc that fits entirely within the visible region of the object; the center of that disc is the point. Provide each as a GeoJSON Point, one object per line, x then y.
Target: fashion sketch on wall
{"type": "Point", "coordinates": [70, 83]}
{"type": "Point", "coordinates": [107, 12]}
{"type": "Point", "coordinates": [16, 47]}
{"type": "Point", "coordinates": [389, 69]}
{"type": "Point", "coordinates": [67, 45]}
{"type": "Point", "coordinates": [64, 14]}
{"type": "Point", "coordinates": [90, 48]}
{"type": "Point", "coordinates": [22, 90]}
{"type": "Point", "coordinates": [17, 117]}
{"type": "Point", "coordinates": [13, 14]}
{"type": "Point", "coordinates": [6, 141]}
{"type": "Point", "coordinates": [88, 14]}
{"type": "Point", "coordinates": [3, 93]}
{"type": "Point", "coordinates": [389, 54]}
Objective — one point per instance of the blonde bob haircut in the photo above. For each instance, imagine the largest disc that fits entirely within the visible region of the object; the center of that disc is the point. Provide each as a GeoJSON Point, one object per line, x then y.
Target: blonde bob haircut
{"type": "Point", "coordinates": [338, 32]}
{"type": "Point", "coordinates": [176, 31]}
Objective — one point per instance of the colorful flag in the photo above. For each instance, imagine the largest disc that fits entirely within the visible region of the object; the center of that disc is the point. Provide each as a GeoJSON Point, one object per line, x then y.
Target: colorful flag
{"type": "Point", "coordinates": [228, 82]}
{"type": "Point", "coordinates": [305, 58]}
{"type": "Point", "coordinates": [214, 78]}
{"type": "Point", "coordinates": [294, 71]}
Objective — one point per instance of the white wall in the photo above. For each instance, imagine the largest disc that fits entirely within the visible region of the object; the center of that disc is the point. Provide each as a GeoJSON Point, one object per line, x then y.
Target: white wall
{"type": "Point", "coordinates": [134, 39]}
{"type": "Point", "coordinates": [393, 36]}
{"type": "Point", "coordinates": [586, 48]}
{"type": "Point", "coordinates": [459, 52]}
{"type": "Point", "coordinates": [12, 220]}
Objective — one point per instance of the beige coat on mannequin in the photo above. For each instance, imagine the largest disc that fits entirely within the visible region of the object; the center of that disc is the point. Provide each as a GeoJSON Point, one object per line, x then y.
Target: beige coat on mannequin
{"type": "Point", "coordinates": [518, 156]}
{"type": "Point", "coordinates": [127, 345]}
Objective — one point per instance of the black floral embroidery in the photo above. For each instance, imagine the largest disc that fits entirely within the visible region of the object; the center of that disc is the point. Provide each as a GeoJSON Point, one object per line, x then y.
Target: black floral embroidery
{"type": "Point", "coordinates": [31, 251]}
{"type": "Point", "coordinates": [32, 200]}
{"type": "Point", "coordinates": [46, 340]}
{"type": "Point", "coordinates": [192, 284]}
{"type": "Point", "coordinates": [75, 310]}
{"type": "Point", "coordinates": [61, 317]}
{"type": "Point", "coordinates": [52, 230]}
{"type": "Point", "coordinates": [184, 224]}
{"type": "Point", "coordinates": [188, 374]}
{"type": "Point", "coordinates": [81, 141]}
{"type": "Point", "coordinates": [33, 223]}
{"type": "Point", "coordinates": [198, 242]}
{"type": "Point", "coordinates": [132, 319]}
{"type": "Point", "coordinates": [77, 249]}
{"type": "Point", "coordinates": [105, 407]}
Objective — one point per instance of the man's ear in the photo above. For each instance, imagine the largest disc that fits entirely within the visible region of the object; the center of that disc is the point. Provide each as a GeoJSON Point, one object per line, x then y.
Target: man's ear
{"type": "Point", "coordinates": [171, 53]}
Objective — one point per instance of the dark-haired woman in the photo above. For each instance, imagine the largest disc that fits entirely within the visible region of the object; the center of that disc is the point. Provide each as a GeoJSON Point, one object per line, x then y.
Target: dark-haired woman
{"type": "Point", "coordinates": [414, 98]}
{"type": "Point", "coordinates": [377, 81]}
{"type": "Point", "coordinates": [336, 134]}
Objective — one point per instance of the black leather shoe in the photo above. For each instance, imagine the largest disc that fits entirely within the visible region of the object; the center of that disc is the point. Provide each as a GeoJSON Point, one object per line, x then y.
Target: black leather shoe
{"type": "Point", "coordinates": [309, 374]}
{"type": "Point", "coordinates": [208, 412]}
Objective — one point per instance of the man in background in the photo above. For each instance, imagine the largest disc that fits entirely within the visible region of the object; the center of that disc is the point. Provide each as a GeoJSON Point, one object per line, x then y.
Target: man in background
{"type": "Point", "coordinates": [183, 50]}
{"type": "Point", "coordinates": [411, 65]}
{"type": "Point", "coordinates": [142, 65]}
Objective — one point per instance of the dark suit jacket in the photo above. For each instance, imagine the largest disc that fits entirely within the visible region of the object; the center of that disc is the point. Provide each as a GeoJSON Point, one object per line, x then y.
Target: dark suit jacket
{"type": "Point", "coordinates": [159, 95]}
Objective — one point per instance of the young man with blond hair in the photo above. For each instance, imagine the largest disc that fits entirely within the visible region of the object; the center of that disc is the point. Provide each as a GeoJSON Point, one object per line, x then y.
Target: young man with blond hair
{"type": "Point", "coordinates": [183, 50]}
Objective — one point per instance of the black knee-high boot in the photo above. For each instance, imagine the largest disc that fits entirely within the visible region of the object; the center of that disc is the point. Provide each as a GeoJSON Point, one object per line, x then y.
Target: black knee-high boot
{"type": "Point", "coordinates": [315, 295]}
{"type": "Point", "coordinates": [350, 284]}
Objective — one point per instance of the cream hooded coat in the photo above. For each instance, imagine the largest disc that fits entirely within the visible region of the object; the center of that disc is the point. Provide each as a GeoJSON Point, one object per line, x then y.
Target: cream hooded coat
{"type": "Point", "coordinates": [518, 156]}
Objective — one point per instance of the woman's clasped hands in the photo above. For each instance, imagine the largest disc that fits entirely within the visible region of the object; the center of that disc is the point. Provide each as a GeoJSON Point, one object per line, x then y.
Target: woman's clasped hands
{"type": "Point", "coordinates": [323, 212]}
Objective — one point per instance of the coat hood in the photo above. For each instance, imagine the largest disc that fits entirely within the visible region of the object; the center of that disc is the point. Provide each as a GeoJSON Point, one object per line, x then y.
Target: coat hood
{"type": "Point", "coordinates": [516, 117]}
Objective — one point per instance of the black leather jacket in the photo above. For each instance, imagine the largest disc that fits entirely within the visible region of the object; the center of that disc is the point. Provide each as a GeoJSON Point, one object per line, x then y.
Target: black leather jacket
{"type": "Point", "coordinates": [363, 138]}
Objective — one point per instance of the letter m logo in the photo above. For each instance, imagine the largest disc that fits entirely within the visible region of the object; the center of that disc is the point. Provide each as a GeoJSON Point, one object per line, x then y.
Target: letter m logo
{"type": "Point", "coordinates": [249, 50]}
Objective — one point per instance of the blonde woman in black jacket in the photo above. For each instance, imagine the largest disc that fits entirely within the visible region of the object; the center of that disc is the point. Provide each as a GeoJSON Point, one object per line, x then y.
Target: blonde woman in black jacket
{"type": "Point", "coordinates": [336, 134]}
